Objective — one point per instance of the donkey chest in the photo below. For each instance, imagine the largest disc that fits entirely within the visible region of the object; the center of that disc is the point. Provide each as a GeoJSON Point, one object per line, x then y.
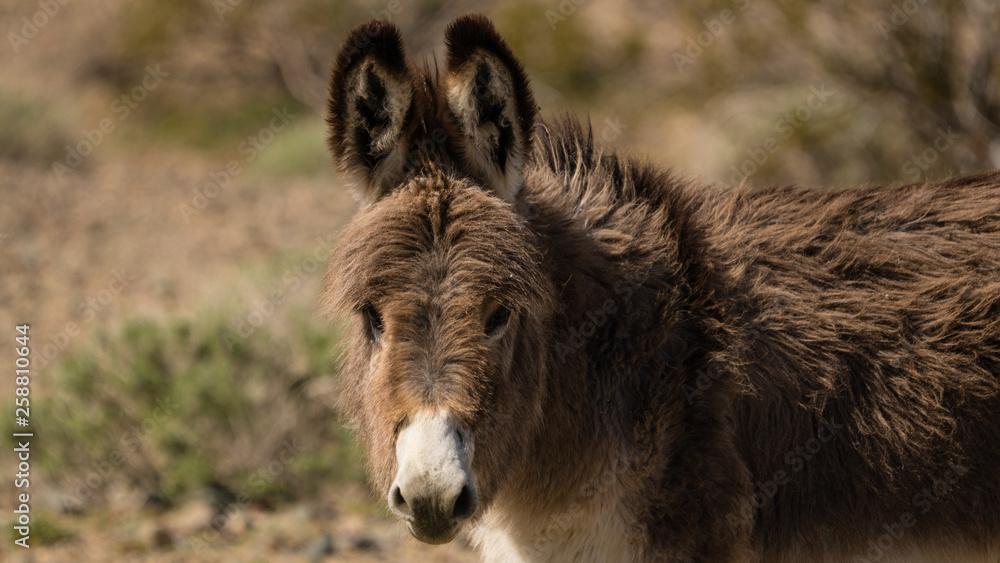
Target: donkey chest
{"type": "Point", "coordinates": [600, 530]}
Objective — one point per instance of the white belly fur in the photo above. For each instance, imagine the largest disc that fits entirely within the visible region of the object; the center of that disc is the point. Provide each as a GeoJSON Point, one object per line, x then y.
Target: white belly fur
{"type": "Point", "coordinates": [596, 530]}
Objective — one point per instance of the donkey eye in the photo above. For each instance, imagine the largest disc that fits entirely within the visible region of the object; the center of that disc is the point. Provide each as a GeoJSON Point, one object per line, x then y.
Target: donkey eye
{"type": "Point", "coordinates": [373, 321]}
{"type": "Point", "coordinates": [497, 320]}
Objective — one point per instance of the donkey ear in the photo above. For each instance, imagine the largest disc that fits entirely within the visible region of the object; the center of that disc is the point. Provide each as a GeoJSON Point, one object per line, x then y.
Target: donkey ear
{"type": "Point", "coordinates": [492, 106]}
{"type": "Point", "coordinates": [371, 109]}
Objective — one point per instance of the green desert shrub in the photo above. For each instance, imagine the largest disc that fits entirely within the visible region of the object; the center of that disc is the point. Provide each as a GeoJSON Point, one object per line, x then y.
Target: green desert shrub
{"type": "Point", "coordinates": [175, 407]}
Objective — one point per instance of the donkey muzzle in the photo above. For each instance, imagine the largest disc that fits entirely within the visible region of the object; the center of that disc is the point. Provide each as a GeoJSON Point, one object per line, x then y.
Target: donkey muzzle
{"type": "Point", "coordinates": [434, 491]}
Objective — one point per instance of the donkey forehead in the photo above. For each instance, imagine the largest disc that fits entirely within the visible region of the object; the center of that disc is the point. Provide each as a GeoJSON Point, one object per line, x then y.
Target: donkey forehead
{"type": "Point", "coordinates": [437, 234]}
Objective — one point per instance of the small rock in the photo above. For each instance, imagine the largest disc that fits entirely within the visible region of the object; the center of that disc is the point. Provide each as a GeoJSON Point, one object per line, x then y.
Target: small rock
{"type": "Point", "coordinates": [192, 518]}
{"type": "Point", "coordinates": [238, 522]}
{"type": "Point", "coordinates": [155, 535]}
{"type": "Point", "coordinates": [362, 543]}
{"type": "Point", "coordinates": [319, 549]}
{"type": "Point", "coordinates": [162, 539]}
{"type": "Point", "coordinates": [155, 504]}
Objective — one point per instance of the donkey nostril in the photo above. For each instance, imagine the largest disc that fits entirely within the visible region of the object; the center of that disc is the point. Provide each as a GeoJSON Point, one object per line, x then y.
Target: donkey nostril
{"type": "Point", "coordinates": [398, 503]}
{"type": "Point", "coordinates": [465, 505]}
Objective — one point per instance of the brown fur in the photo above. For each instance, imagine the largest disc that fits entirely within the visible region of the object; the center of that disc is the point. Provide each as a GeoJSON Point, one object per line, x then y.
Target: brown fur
{"type": "Point", "coordinates": [693, 338]}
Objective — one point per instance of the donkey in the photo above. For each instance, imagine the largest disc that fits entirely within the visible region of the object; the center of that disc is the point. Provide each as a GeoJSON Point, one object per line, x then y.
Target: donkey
{"type": "Point", "coordinates": [575, 356]}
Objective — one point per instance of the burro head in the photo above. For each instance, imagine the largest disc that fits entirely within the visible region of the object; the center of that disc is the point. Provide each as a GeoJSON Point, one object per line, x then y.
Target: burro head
{"type": "Point", "coordinates": [438, 275]}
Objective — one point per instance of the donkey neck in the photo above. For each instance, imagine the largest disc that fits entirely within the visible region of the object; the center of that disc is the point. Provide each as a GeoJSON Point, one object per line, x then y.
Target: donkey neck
{"type": "Point", "coordinates": [624, 270]}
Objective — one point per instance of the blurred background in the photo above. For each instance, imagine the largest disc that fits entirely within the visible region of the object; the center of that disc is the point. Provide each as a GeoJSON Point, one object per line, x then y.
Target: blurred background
{"type": "Point", "coordinates": [167, 206]}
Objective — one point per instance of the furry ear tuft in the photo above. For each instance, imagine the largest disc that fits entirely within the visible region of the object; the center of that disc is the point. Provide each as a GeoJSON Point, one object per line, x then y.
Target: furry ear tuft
{"type": "Point", "coordinates": [491, 104]}
{"type": "Point", "coordinates": [371, 109]}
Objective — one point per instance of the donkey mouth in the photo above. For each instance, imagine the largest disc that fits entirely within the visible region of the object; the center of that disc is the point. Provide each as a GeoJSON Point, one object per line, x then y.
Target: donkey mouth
{"type": "Point", "coordinates": [434, 535]}
{"type": "Point", "coordinates": [429, 524]}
